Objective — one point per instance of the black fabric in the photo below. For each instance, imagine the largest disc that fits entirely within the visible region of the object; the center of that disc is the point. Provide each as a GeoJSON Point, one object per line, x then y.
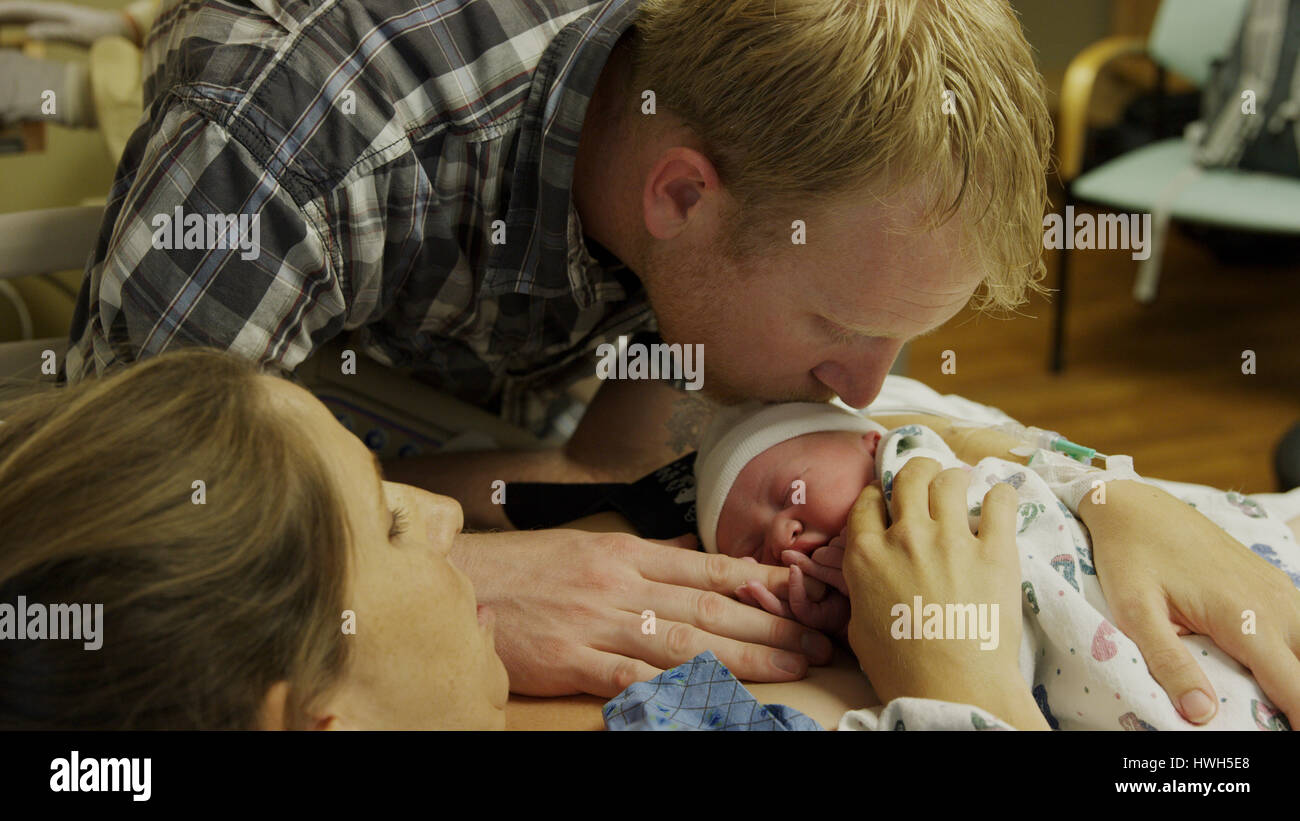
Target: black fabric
{"type": "Point", "coordinates": [660, 505]}
{"type": "Point", "coordinates": [1272, 147]}
{"type": "Point", "coordinates": [1286, 460]}
{"type": "Point", "coordinates": [1148, 118]}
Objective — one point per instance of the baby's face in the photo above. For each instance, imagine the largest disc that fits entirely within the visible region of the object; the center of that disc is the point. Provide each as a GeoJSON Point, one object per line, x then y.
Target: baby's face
{"type": "Point", "coordinates": [766, 512]}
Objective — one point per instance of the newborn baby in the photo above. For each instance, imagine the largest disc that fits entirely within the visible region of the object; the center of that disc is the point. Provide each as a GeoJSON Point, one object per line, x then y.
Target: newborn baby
{"type": "Point", "coordinates": [784, 477]}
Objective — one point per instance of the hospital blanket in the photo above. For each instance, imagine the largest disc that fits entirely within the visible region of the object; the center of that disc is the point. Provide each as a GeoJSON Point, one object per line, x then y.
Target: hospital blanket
{"type": "Point", "coordinates": [1082, 671]}
{"type": "Point", "coordinates": [701, 694]}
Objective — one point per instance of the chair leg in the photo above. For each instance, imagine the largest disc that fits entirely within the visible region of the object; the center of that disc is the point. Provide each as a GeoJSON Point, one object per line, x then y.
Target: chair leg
{"type": "Point", "coordinates": [1148, 279]}
{"type": "Point", "coordinates": [1058, 326]}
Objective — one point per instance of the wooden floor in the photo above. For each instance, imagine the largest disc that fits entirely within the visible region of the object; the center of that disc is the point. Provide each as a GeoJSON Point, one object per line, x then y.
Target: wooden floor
{"type": "Point", "coordinates": [1162, 383]}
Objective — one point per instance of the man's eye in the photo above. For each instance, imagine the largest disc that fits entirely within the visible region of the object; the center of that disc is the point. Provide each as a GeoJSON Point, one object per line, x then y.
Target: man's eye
{"type": "Point", "coordinates": [838, 335]}
{"type": "Point", "coordinates": [398, 527]}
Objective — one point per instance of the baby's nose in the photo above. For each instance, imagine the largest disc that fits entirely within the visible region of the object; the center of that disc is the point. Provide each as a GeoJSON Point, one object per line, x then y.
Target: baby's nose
{"type": "Point", "coordinates": [784, 535]}
{"type": "Point", "coordinates": [791, 534]}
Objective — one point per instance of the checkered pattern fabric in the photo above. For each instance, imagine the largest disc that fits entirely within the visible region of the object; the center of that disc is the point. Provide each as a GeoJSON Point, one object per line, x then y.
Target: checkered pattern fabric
{"type": "Point", "coordinates": [411, 163]}
{"type": "Point", "coordinates": [701, 694]}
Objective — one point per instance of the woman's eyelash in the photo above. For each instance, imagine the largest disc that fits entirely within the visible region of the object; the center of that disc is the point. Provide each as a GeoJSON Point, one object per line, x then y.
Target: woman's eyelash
{"type": "Point", "coordinates": [398, 526]}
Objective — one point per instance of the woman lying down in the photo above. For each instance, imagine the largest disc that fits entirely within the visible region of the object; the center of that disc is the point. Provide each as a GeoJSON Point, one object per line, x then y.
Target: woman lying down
{"type": "Point", "coordinates": [1007, 628]}
{"type": "Point", "coordinates": [251, 568]}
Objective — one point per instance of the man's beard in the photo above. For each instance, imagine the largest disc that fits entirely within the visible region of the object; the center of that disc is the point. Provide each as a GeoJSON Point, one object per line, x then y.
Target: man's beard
{"type": "Point", "coordinates": [688, 314]}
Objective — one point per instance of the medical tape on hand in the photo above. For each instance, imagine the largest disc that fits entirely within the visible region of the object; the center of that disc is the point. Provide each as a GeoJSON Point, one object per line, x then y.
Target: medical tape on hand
{"type": "Point", "coordinates": [1071, 481]}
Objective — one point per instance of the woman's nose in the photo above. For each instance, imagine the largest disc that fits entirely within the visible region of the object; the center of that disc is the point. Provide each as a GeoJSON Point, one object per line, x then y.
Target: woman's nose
{"type": "Point", "coordinates": [444, 519]}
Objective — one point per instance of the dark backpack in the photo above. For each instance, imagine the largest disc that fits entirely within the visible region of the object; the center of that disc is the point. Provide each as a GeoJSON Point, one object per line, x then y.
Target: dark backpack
{"type": "Point", "coordinates": [1264, 61]}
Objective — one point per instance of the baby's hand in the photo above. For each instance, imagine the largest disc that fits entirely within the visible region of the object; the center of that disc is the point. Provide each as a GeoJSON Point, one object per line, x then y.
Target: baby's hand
{"type": "Point", "coordinates": [824, 564]}
{"type": "Point", "coordinates": [811, 603]}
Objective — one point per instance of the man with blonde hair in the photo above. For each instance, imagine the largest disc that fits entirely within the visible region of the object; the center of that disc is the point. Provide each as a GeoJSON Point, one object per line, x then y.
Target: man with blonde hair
{"type": "Point", "coordinates": [485, 192]}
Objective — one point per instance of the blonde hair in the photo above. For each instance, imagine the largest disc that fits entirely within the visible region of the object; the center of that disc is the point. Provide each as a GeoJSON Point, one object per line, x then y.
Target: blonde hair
{"type": "Point", "coordinates": [800, 102]}
{"type": "Point", "coordinates": [205, 606]}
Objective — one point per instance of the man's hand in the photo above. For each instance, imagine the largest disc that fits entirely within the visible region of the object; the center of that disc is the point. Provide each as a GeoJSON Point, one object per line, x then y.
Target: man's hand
{"type": "Point", "coordinates": [569, 608]}
{"type": "Point", "coordinates": [1168, 571]}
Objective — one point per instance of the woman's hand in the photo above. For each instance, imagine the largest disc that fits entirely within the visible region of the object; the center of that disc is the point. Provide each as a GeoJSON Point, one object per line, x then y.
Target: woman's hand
{"type": "Point", "coordinates": [1168, 571]}
{"type": "Point", "coordinates": [930, 552]}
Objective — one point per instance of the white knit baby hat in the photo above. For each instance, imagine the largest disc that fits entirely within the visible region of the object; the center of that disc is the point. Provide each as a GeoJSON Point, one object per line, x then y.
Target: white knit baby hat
{"type": "Point", "coordinates": [738, 434]}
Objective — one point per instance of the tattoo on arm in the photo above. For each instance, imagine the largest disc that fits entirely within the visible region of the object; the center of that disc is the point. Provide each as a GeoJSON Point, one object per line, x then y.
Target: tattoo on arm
{"type": "Point", "coordinates": [690, 416]}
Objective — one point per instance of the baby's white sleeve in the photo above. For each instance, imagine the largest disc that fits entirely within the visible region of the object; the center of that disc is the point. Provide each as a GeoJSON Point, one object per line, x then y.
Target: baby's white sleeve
{"type": "Point", "coordinates": [922, 714]}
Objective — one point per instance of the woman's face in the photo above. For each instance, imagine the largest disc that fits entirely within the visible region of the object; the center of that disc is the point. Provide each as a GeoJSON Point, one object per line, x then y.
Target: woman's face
{"type": "Point", "coordinates": [422, 654]}
{"type": "Point", "coordinates": [796, 495]}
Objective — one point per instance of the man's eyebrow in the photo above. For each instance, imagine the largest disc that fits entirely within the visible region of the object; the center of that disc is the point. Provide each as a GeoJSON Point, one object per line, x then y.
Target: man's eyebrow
{"type": "Point", "coordinates": [870, 332]}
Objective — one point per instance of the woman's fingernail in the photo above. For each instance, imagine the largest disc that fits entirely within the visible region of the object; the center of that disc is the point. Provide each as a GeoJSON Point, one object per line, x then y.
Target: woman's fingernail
{"type": "Point", "coordinates": [1196, 706]}
{"type": "Point", "coordinates": [788, 662]}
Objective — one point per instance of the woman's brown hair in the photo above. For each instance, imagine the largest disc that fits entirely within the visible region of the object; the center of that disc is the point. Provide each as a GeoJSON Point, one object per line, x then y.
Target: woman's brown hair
{"type": "Point", "coordinates": [205, 605]}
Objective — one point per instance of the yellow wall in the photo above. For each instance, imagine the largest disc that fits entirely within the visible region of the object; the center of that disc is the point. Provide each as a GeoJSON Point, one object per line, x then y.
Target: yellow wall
{"type": "Point", "coordinates": [74, 168]}
{"type": "Point", "coordinates": [1060, 29]}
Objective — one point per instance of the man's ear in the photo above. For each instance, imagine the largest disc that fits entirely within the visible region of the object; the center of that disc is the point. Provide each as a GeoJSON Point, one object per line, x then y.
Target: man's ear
{"type": "Point", "coordinates": [274, 712]}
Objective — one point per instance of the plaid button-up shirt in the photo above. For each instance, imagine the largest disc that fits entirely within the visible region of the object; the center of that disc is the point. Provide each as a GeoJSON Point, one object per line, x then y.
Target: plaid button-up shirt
{"type": "Point", "coordinates": [379, 142]}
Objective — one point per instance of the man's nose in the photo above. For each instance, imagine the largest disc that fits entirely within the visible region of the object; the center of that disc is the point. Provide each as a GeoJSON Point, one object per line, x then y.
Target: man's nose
{"type": "Point", "coordinates": [857, 378]}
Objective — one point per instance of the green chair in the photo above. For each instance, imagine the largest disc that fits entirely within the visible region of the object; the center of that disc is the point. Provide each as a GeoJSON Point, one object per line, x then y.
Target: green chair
{"type": "Point", "coordinates": [1161, 177]}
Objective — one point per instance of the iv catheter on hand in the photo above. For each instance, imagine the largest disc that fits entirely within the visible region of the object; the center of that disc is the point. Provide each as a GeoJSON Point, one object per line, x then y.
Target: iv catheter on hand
{"type": "Point", "coordinates": [1048, 440]}
{"type": "Point", "coordinates": [1030, 436]}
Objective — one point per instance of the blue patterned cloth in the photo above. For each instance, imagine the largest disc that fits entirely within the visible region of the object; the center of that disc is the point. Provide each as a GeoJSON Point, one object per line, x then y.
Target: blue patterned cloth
{"type": "Point", "coordinates": [701, 694]}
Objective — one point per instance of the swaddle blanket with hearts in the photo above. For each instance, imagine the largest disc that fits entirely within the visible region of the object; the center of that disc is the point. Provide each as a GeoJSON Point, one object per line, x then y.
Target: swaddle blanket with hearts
{"type": "Point", "coordinates": [1084, 673]}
